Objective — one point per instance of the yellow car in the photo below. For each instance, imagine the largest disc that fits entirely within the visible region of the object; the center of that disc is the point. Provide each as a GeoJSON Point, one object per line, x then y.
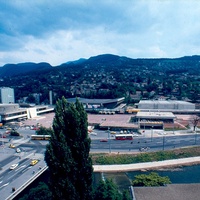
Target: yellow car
{"type": "Point", "coordinates": [34, 162]}
{"type": "Point", "coordinates": [12, 146]}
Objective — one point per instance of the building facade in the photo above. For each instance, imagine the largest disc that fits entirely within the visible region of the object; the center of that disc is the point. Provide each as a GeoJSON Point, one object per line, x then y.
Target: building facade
{"type": "Point", "coordinates": [165, 105]}
{"type": "Point", "coordinates": [12, 112]}
{"type": "Point", "coordinates": [7, 95]}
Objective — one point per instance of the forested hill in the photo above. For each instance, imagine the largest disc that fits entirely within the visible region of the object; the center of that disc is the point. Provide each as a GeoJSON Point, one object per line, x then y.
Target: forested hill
{"type": "Point", "coordinates": [106, 76]}
{"type": "Point", "coordinates": [187, 63]}
{"type": "Point", "coordinates": [108, 60]}
{"type": "Point", "coordinates": [22, 68]}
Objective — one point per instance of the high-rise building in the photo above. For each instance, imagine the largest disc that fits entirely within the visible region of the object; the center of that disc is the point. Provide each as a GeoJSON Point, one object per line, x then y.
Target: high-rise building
{"type": "Point", "coordinates": [7, 95]}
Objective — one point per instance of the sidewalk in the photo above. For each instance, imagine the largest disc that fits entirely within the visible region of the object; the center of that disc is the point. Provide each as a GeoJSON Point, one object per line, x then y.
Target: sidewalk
{"type": "Point", "coordinates": [147, 165]}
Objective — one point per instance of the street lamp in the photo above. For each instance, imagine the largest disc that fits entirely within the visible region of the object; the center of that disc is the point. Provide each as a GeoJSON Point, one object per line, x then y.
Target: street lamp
{"type": "Point", "coordinates": [109, 139]}
{"type": "Point", "coordinates": [195, 137]}
{"type": "Point", "coordinates": [151, 133]}
{"type": "Point", "coordinates": [163, 142]}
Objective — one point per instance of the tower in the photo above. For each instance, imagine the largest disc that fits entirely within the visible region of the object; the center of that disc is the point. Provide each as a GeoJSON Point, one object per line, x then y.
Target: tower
{"type": "Point", "coordinates": [7, 95]}
{"type": "Point", "coordinates": [50, 98]}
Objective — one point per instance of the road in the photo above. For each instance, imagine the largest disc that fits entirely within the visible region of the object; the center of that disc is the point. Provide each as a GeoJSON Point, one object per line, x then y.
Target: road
{"type": "Point", "coordinates": [35, 150]}
{"type": "Point", "coordinates": [155, 142]}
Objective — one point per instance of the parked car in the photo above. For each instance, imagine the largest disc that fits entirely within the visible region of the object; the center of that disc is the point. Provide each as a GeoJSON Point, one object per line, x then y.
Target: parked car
{"type": "Point", "coordinates": [7, 132]}
{"type": "Point", "coordinates": [13, 166]}
{"type": "Point", "coordinates": [2, 136]}
{"type": "Point", "coordinates": [104, 140]}
{"type": "Point", "coordinates": [34, 162]}
{"type": "Point", "coordinates": [35, 128]}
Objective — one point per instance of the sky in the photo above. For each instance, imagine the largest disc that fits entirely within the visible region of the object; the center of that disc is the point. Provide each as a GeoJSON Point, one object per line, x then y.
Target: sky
{"type": "Point", "coordinates": [58, 31]}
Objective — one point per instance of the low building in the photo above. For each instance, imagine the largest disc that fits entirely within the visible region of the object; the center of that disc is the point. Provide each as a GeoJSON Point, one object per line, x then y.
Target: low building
{"type": "Point", "coordinates": [148, 120]}
{"type": "Point", "coordinates": [165, 105]}
{"type": "Point", "coordinates": [13, 112]}
{"type": "Point", "coordinates": [90, 104]}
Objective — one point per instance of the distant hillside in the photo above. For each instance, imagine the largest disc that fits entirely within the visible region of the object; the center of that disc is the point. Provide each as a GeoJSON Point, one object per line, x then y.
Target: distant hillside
{"type": "Point", "coordinates": [22, 68]}
{"type": "Point", "coordinates": [105, 60]}
{"type": "Point", "coordinates": [106, 76]}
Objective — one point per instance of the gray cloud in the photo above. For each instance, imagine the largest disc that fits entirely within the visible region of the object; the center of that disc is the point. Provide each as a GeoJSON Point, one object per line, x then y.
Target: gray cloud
{"type": "Point", "coordinates": [58, 31]}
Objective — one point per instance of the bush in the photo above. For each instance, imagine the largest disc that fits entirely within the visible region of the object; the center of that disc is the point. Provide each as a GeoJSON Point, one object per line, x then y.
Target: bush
{"type": "Point", "coordinates": [109, 159]}
{"type": "Point", "coordinates": [14, 133]}
{"type": "Point", "coordinates": [149, 180]}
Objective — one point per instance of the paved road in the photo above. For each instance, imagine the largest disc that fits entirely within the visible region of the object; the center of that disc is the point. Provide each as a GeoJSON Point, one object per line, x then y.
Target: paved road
{"type": "Point", "coordinates": [35, 149]}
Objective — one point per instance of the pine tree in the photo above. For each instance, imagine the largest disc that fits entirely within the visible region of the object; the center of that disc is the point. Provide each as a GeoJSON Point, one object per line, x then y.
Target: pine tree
{"type": "Point", "coordinates": [67, 154]}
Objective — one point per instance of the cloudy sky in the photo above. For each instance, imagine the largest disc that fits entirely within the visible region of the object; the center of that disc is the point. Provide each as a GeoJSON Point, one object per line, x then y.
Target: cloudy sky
{"type": "Point", "coordinates": [57, 31]}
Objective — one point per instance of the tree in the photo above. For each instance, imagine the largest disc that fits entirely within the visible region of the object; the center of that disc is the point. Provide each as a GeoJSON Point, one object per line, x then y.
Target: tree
{"type": "Point", "coordinates": [149, 180]}
{"type": "Point", "coordinates": [107, 190]}
{"type": "Point", "coordinates": [67, 154]}
{"type": "Point", "coordinates": [194, 121]}
{"type": "Point", "coordinates": [44, 131]}
{"type": "Point", "coordinates": [41, 192]}
{"type": "Point", "coordinates": [126, 195]}
{"type": "Point", "coordinates": [30, 99]}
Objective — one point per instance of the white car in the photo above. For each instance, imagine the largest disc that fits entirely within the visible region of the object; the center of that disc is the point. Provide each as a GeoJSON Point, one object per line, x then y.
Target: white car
{"type": "Point", "coordinates": [18, 150]}
{"type": "Point", "coordinates": [13, 166]}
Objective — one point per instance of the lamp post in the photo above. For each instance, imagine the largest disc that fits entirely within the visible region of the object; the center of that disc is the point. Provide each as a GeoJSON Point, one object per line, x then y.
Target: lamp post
{"type": "Point", "coordinates": [195, 137]}
{"type": "Point", "coordinates": [2, 142]}
{"type": "Point", "coordinates": [151, 133]}
{"type": "Point", "coordinates": [109, 139]}
{"type": "Point", "coordinates": [163, 142]}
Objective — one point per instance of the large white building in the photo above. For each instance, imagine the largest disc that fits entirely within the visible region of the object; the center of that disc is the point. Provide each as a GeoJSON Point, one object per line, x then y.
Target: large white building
{"type": "Point", "coordinates": [7, 95]}
{"type": "Point", "coordinates": [165, 105]}
{"type": "Point", "coordinates": [11, 112]}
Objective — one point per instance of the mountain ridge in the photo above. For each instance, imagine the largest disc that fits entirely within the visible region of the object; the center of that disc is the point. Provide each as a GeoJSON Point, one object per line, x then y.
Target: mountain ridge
{"type": "Point", "coordinates": [103, 59]}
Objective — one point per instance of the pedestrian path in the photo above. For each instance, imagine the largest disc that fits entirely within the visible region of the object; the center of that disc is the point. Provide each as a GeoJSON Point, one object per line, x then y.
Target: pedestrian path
{"type": "Point", "coordinates": [147, 165]}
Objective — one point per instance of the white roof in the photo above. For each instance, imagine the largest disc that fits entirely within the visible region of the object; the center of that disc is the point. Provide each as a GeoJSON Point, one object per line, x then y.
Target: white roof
{"type": "Point", "coordinates": [155, 115]}
{"type": "Point", "coordinates": [165, 102]}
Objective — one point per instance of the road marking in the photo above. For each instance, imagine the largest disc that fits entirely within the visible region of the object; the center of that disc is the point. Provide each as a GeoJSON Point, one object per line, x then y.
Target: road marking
{"type": "Point", "coordinates": [4, 185]}
{"type": "Point", "coordinates": [20, 167]}
{"type": "Point", "coordinates": [26, 169]}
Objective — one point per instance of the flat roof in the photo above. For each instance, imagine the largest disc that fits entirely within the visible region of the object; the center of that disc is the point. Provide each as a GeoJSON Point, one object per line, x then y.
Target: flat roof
{"type": "Point", "coordinates": [158, 115]}
{"type": "Point", "coordinates": [169, 192]}
{"type": "Point", "coordinates": [8, 104]}
{"type": "Point", "coordinates": [165, 102]}
{"type": "Point", "coordinates": [95, 101]}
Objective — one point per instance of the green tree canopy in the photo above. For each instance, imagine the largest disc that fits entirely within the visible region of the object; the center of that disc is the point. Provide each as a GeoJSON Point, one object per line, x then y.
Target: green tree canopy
{"type": "Point", "coordinates": [107, 190]}
{"type": "Point", "coordinates": [152, 179]}
{"type": "Point", "coordinates": [67, 154]}
{"type": "Point", "coordinates": [44, 131]}
{"type": "Point", "coordinates": [41, 192]}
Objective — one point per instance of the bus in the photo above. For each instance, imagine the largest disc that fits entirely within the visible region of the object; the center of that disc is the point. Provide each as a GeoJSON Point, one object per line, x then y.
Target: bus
{"type": "Point", "coordinates": [124, 137]}
{"type": "Point", "coordinates": [40, 137]}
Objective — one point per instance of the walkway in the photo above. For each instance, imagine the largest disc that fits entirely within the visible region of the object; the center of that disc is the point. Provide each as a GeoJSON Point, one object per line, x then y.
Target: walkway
{"type": "Point", "coordinates": [147, 165]}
